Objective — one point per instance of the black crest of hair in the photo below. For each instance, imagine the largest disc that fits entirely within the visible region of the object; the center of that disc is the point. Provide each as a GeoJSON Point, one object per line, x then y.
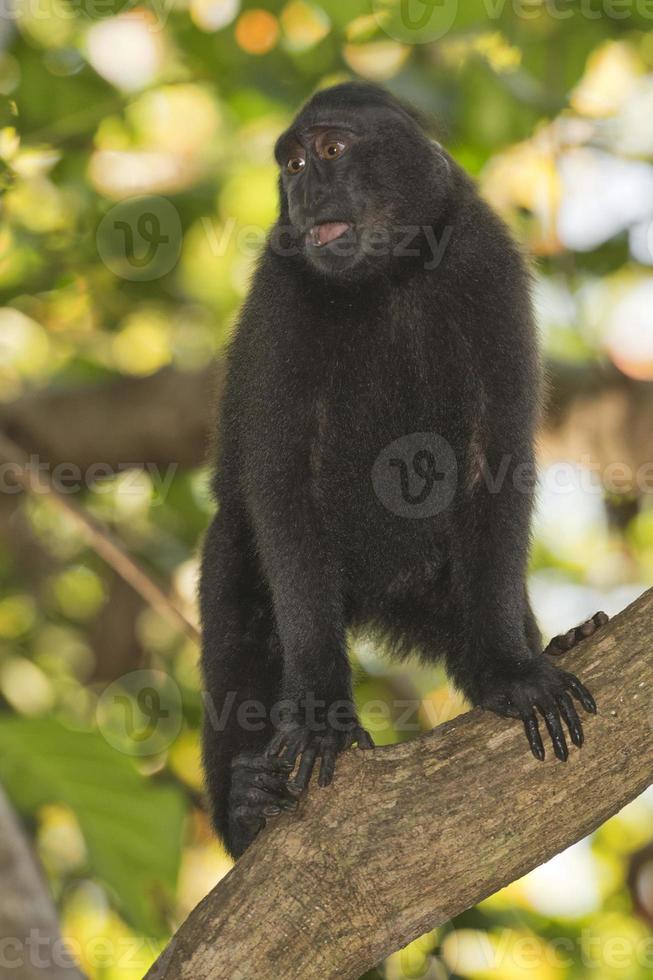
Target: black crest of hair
{"type": "Point", "coordinates": [376, 466]}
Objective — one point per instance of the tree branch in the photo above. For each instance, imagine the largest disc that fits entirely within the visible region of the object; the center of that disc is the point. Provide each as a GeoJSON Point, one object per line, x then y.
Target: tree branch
{"type": "Point", "coordinates": [98, 536]}
{"type": "Point", "coordinates": [32, 947]}
{"type": "Point", "coordinates": [160, 420]}
{"type": "Point", "coordinates": [168, 419]}
{"type": "Point", "coordinates": [410, 835]}
{"type": "Point", "coordinates": [596, 414]}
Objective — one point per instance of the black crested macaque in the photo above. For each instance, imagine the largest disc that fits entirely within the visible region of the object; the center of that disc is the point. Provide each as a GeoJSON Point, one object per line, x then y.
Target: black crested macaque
{"type": "Point", "coordinates": [376, 467]}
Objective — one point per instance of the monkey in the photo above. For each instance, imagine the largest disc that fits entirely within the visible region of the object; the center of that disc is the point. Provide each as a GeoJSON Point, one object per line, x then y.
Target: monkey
{"type": "Point", "coordinates": [375, 468]}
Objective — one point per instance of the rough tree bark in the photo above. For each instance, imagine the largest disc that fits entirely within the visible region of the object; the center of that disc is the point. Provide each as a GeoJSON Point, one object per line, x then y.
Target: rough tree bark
{"type": "Point", "coordinates": [410, 835]}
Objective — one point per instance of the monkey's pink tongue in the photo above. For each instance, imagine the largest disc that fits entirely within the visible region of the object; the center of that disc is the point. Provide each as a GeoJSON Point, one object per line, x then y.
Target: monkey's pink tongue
{"type": "Point", "coordinates": [328, 232]}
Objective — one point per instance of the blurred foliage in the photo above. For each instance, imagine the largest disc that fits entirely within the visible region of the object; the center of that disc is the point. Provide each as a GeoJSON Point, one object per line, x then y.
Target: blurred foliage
{"type": "Point", "coordinates": [138, 180]}
{"type": "Point", "coordinates": [132, 834]}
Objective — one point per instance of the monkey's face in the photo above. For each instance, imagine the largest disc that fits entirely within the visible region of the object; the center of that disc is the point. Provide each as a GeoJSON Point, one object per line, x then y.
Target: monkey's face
{"type": "Point", "coordinates": [357, 185]}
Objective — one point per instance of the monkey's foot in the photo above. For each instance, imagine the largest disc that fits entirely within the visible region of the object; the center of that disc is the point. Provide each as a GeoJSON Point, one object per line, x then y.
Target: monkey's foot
{"type": "Point", "coordinates": [259, 790]}
{"type": "Point", "coordinates": [522, 689]}
{"type": "Point", "coordinates": [298, 742]}
{"type": "Point", "coordinates": [565, 641]}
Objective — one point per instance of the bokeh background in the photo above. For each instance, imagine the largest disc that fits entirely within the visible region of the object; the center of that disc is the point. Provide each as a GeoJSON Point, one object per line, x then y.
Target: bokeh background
{"type": "Point", "coordinates": [137, 177]}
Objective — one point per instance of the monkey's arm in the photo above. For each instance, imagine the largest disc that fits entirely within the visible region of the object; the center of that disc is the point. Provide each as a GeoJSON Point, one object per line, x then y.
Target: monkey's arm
{"type": "Point", "coordinates": [495, 663]}
{"type": "Point", "coordinates": [318, 719]}
{"type": "Point", "coordinates": [279, 373]}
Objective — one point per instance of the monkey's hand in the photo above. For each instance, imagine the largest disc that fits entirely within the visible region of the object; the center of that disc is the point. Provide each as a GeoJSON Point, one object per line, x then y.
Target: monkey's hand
{"type": "Point", "coordinates": [303, 741]}
{"type": "Point", "coordinates": [259, 789]}
{"type": "Point", "coordinates": [519, 689]}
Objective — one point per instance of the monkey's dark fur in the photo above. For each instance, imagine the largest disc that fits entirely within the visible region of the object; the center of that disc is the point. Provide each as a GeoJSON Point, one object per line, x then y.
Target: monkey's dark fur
{"type": "Point", "coordinates": [416, 320]}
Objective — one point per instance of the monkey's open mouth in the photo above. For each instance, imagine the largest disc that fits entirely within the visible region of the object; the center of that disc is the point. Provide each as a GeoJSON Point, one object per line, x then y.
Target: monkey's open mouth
{"type": "Point", "coordinates": [323, 234]}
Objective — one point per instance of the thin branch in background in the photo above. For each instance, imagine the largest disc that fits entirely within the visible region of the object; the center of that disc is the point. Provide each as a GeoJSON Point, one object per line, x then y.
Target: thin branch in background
{"type": "Point", "coordinates": [99, 538]}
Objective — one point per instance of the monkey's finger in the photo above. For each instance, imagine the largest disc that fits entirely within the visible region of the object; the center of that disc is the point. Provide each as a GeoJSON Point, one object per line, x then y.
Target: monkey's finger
{"type": "Point", "coordinates": [363, 739]}
{"type": "Point", "coordinates": [554, 726]}
{"type": "Point", "coordinates": [573, 722]}
{"type": "Point", "coordinates": [260, 763]}
{"type": "Point", "coordinates": [288, 795]}
{"type": "Point", "coordinates": [289, 804]}
{"type": "Point", "coordinates": [327, 766]}
{"type": "Point", "coordinates": [598, 620]}
{"type": "Point", "coordinates": [253, 796]}
{"type": "Point", "coordinates": [305, 770]}
{"type": "Point", "coordinates": [248, 817]}
{"type": "Point", "coordinates": [358, 736]}
{"type": "Point", "coordinates": [276, 743]}
{"type": "Point", "coordinates": [581, 693]}
{"type": "Point", "coordinates": [562, 643]}
{"type": "Point", "coordinates": [295, 745]}
{"type": "Point", "coordinates": [271, 782]}
{"type": "Point", "coordinates": [533, 735]}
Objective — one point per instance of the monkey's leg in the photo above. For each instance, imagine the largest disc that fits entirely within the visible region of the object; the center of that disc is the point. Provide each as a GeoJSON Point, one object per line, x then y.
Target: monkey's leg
{"type": "Point", "coordinates": [241, 663]}
{"type": "Point", "coordinates": [499, 662]}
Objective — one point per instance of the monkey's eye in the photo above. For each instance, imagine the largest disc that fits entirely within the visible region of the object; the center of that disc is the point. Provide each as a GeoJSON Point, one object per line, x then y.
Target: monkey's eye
{"type": "Point", "coordinates": [332, 150]}
{"type": "Point", "coordinates": [295, 165]}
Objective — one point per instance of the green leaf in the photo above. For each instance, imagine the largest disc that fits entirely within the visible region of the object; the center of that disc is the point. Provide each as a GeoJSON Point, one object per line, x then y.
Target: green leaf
{"type": "Point", "coordinates": [131, 825]}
